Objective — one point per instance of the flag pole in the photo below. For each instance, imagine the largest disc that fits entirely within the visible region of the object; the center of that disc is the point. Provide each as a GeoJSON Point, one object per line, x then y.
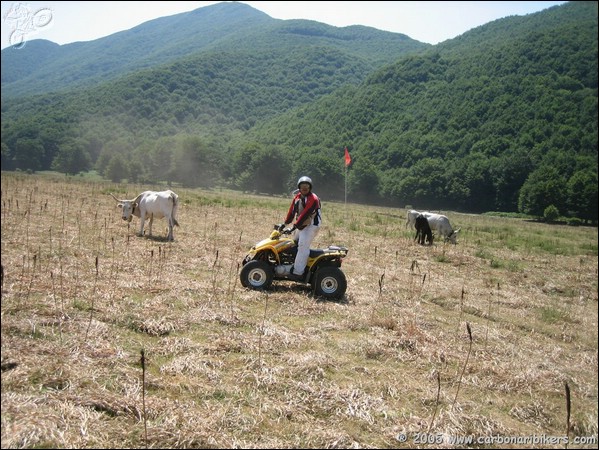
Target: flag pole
{"type": "Point", "coordinates": [346, 191]}
{"type": "Point", "coordinates": [347, 163]}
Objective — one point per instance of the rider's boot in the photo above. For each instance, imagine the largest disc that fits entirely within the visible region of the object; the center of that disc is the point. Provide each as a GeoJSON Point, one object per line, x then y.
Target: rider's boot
{"type": "Point", "coordinates": [294, 276]}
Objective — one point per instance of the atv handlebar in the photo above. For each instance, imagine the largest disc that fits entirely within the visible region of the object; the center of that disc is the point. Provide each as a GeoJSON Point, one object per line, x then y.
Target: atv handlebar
{"type": "Point", "coordinates": [281, 228]}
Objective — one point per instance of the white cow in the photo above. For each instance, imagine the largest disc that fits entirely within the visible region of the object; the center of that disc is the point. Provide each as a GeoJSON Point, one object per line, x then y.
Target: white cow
{"type": "Point", "coordinates": [412, 214]}
{"type": "Point", "coordinates": [438, 223]}
{"type": "Point", "coordinates": [441, 225]}
{"type": "Point", "coordinates": [151, 204]}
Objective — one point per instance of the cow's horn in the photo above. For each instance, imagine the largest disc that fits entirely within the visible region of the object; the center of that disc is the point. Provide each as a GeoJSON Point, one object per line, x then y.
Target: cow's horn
{"type": "Point", "coordinates": [115, 198]}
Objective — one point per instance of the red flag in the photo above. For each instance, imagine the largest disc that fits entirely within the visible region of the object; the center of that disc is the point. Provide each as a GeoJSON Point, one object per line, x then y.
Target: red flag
{"type": "Point", "coordinates": [347, 158]}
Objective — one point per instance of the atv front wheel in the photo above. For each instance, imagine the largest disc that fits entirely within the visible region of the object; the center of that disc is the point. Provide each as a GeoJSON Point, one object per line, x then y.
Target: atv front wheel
{"type": "Point", "coordinates": [257, 275]}
{"type": "Point", "coordinates": [329, 282]}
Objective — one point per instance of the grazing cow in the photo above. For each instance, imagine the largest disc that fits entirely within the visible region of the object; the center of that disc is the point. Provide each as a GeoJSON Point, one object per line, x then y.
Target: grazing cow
{"type": "Point", "coordinates": [150, 204]}
{"type": "Point", "coordinates": [423, 230]}
{"type": "Point", "coordinates": [438, 223]}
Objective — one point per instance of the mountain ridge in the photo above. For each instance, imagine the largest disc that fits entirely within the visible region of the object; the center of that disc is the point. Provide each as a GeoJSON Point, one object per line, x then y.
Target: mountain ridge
{"type": "Point", "coordinates": [220, 27]}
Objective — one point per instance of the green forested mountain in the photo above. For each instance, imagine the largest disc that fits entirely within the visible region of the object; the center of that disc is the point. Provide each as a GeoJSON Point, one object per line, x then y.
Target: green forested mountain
{"type": "Point", "coordinates": [472, 124]}
{"type": "Point", "coordinates": [150, 44]}
{"type": "Point", "coordinates": [502, 118]}
{"type": "Point", "coordinates": [90, 104]}
{"type": "Point", "coordinates": [42, 67]}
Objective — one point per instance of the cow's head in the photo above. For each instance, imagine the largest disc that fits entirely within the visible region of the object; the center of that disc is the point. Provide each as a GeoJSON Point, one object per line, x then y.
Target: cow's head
{"type": "Point", "coordinates": [127, 207]}
{"type": "Point", "coordinates": [452, 236]}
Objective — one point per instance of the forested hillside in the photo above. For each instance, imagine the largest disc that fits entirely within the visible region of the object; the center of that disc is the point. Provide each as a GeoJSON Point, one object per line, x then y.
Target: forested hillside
{"type": "Point", "coordinates": [41, 66]}
{"type": "Point", "coordinates": [150, 44]}
{"type": "Point", "coordinates": [503, 118]}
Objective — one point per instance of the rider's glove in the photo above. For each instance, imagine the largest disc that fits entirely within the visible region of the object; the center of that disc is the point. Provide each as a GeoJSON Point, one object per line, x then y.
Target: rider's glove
{"type": "Point", "coordinates": [289, 230]}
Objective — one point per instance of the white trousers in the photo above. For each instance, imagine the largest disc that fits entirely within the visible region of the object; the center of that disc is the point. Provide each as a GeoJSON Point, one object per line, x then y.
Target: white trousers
{"type": "Point", "coordinates": [305, 236]}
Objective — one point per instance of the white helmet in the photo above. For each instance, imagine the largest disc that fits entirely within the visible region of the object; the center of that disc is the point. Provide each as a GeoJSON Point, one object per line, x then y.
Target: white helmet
{"type": "Point", "coordinates": [304, 180]}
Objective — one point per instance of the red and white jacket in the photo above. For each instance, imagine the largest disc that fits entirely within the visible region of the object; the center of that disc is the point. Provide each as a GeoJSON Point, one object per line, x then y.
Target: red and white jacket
{"type": "Point", "coordinates": [305, 209]}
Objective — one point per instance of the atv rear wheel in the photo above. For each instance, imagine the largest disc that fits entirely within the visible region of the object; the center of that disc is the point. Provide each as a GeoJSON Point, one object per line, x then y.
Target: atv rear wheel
{"type": "Point", "coordinates": [329, 282]}
{"type": "Point", "coordinates": [257, 275]}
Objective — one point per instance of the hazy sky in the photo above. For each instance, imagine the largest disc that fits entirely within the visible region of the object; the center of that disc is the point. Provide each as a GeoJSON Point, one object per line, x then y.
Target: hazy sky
{"type": "Point", "coordinates": [431, 22]}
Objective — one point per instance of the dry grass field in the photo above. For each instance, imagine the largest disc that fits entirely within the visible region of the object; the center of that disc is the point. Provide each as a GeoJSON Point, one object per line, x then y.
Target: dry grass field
{"type": "Point", "coordinates": [110, 340]}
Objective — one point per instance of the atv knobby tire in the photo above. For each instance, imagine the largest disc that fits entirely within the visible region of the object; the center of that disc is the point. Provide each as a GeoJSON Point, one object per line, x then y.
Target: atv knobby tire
{"type": "Point", "coordinates": [257, 275]}
{"type": "Point", "coordinates": [329, 282]}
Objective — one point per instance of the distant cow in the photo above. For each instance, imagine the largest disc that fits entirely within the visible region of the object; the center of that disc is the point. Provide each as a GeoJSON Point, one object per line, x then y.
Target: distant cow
{"type": "Point", "coordinates": [423, 230]}
{"type": "Point", "coordinates": [150, 204]}
{"type": "Point", "coordinates": [438, 223]}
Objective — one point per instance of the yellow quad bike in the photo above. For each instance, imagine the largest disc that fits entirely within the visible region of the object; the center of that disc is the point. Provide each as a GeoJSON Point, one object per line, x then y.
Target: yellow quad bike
{"type": "Point", "coordinates": [272, 259]}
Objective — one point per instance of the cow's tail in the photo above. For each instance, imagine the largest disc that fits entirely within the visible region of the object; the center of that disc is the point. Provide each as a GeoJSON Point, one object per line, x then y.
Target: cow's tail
{"type": "Point", "coordinates": [175, 200]}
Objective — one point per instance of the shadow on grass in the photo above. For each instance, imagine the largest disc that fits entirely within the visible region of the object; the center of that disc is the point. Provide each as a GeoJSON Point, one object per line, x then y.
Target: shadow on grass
{"type": "Point", "coordinates": [303, 289]}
